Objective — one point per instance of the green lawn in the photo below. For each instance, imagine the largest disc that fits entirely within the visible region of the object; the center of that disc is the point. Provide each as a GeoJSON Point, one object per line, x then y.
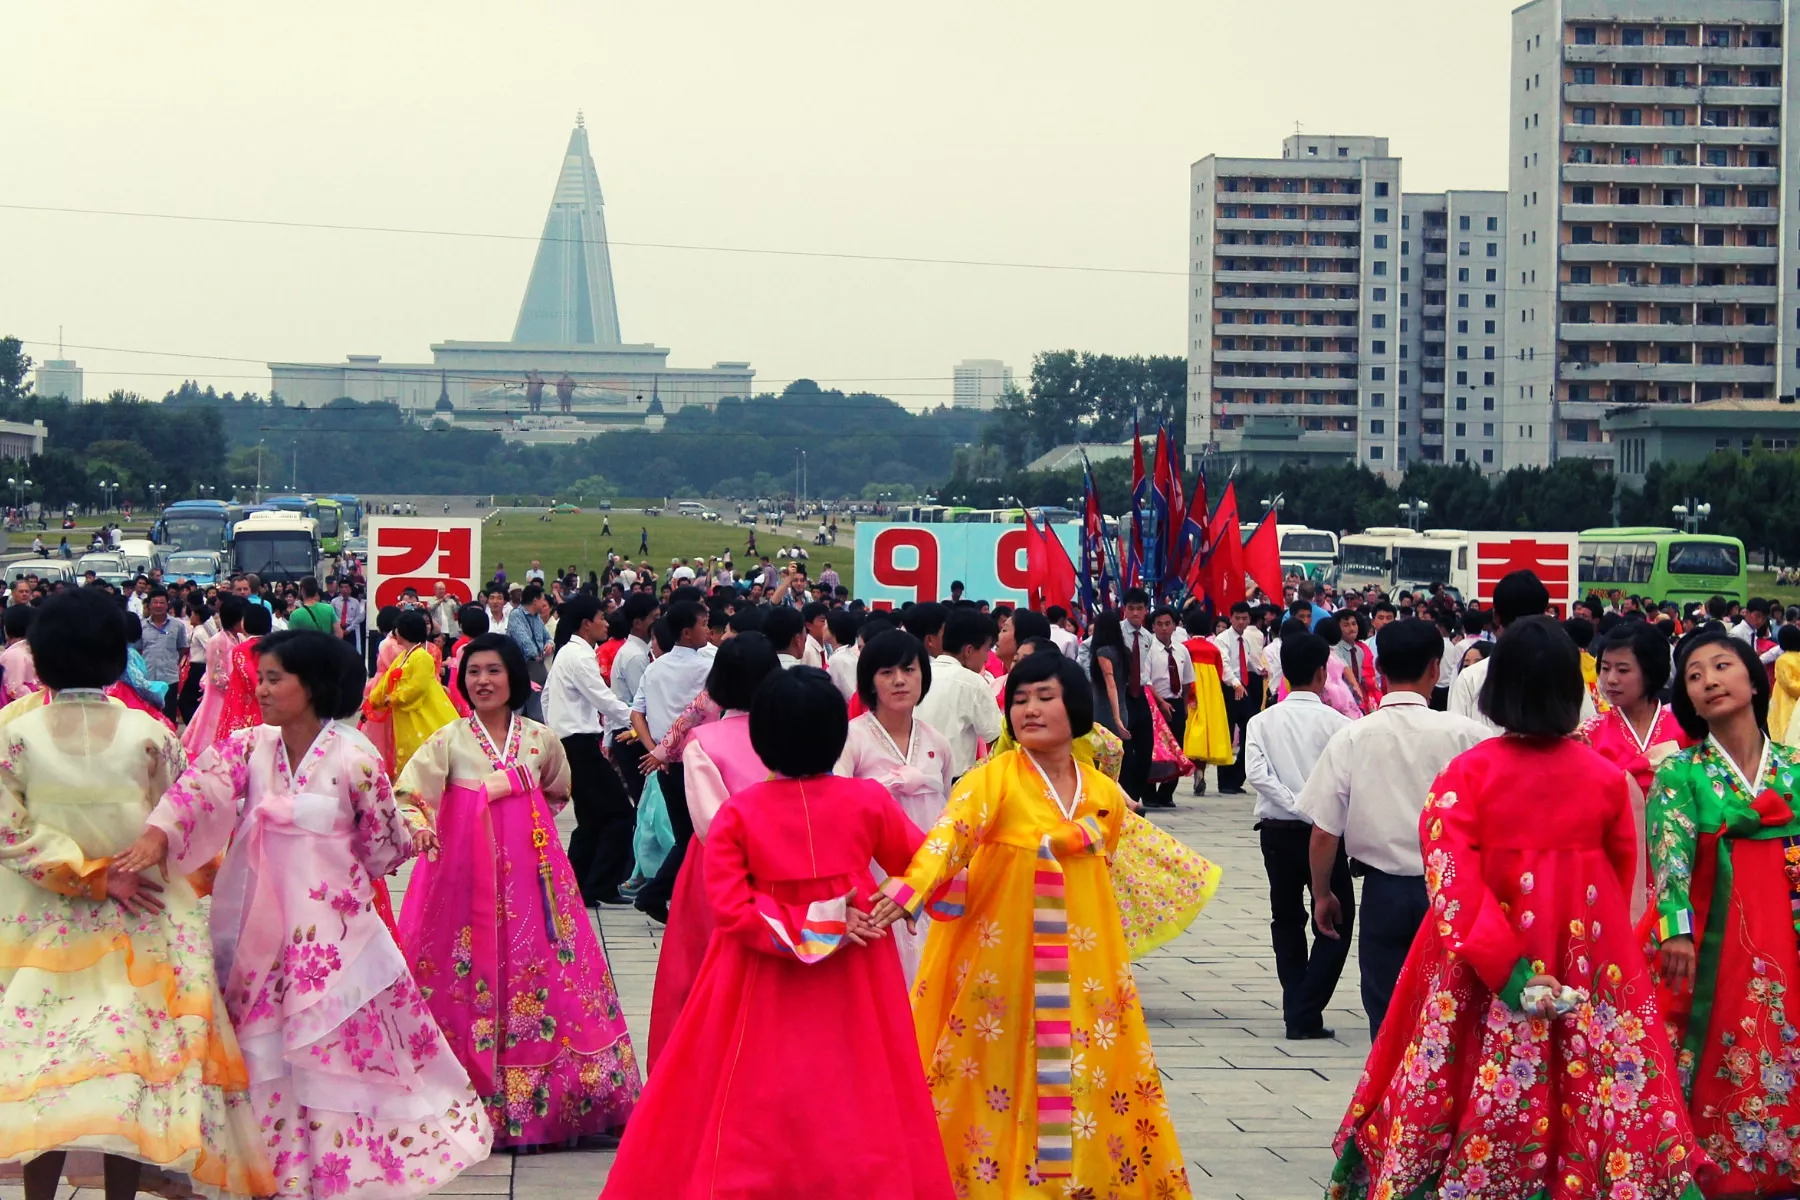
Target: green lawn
{"type": "Point", "coordinates": [515, 538]}
{"type": "Point", "coordinates": [1762, 583]}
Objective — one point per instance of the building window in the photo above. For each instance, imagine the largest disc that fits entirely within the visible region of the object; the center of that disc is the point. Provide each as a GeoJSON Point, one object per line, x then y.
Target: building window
{"type": "Point", "coordinates": [1493, 224]}
{"type": "Point", "coordinates": [1584, 116]}
{"type": "Point", "coordinates": [1381, 187]}
{"type": "Point", "coordinates": [1377, 425]}
{"type": "Point", "coordinates": [1487, 379]}
{"type": "Point", "coordinates": [1487, 456]}
{"type": "Point", "coordinates": [1487, 405]}
{"type": "Point", "coordinates": [1381, 216]}
{"type": "Point", "coordinates": [1380, 268]}
{"type": "Point", "coordinates": [1584, 35]}
{"type": "Point", "coordinates": [1377, 347]}
{"type": "Point", "coordinates": [1582, 194]}
{"type": "Point", "coordinates": [1378, 295]}
{"type": "Point", "coordinates": [1375, 452]}
{"type": "Point", "coordinates": [1378, 373]}
{"type": "Point", "coordinates": [1381, 241]}
{"type": "Point", "coordinates": [1378, 321]}
{"type": "Point", "coordinates": [1462, 249]}
{"type": "Point", "coordinates": [1377, 399]}
{"type": "Point", "coordinates": [1493, 249]}
{"type": "Point", "coordinates": [1462, 379]}
{"type": "Point", "coordinates": [1461, 429]}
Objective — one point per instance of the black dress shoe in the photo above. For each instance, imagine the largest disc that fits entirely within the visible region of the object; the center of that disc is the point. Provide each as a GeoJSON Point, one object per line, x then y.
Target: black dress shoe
{"type": "Point", "coordinates": [656, 910]}
{"type": "Point", "coordinates": [1159, 804]}
{"type": "Point", "coordinates": [611, 900]}
{"type": "Point", "coordinates": [1310, 1035]}
{"type": "Point", "coordinates": [1231, 791]}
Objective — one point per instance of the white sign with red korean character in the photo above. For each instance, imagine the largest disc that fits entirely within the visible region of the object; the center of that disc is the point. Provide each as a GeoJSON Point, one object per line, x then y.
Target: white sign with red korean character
{"type": "Point", "coordinates": [1552, 557]}
{"type": "Point", "coordinates": [420, 553]}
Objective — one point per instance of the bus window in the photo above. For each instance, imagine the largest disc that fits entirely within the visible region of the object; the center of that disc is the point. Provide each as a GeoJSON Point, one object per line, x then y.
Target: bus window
{"type": "Point", "coordinates": [1702, 558]}
{"type": "Point", "coordinates": [1307, 543]}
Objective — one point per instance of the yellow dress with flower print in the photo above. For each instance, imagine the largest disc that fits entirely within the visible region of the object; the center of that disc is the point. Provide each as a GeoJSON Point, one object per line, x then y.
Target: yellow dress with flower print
{"type": "Point", "coordinates": [1029, 1023]}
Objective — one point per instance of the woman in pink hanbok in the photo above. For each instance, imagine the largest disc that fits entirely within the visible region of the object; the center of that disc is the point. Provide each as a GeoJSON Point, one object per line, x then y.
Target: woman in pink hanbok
{"type": "Point", "coordinates": [493, 924]}
{"type": "Point", "coordinates": [717, 762]}
{"type": "Point", "coordinates": [204, 727]}
{"type": "Point", "coordinates": [906, 756]}
{"type": "Point", "coordinates": [355, 1088]}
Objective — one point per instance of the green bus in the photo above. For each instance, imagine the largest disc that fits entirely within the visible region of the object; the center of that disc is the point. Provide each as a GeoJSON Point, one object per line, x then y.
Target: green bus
{"type": "Point", "coordinates": [1663, 564]}
{"type": "Point", "coordinates": [330, 516]}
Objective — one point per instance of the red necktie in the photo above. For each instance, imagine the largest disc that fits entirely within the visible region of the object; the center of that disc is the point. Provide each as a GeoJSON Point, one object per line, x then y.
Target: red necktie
{"type": "Point", "coordinates": [1243, 663]}
{"type": "Point", "coordinates": [1174, 674]}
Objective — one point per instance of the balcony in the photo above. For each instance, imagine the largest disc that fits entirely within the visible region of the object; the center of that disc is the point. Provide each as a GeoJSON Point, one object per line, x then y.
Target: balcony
{"type": "Point", "coordinates": [1243, 408]}
{"type": "Point", "coordinates": [1296, 383]}
{"type": "Point", "coordinates": [1432, 310]}
{"type": "Point", "coordinates": [1432, 362]}
{"type": "Point", "coordinates": [1433, 335]}
{"type": "Point", "coordinates": [1672, 214]}
{"type": "Point", "coordinates": [1432, 387]}
{"type": "Point", "coordinates": [1584, 410]}
{"type": "Point", "coordinates": [1654, 373]}
{"type": "Point", "coordinates": [1596, 331]}
{"type": "Point", "coordinates": [1729, 96]}
{"type": "Point", "coordinates": [1670, 256]}
{"type": "Point", "coordinates": [1296, 277]}
{"type": "Point", "coordinates": [1271, 250]}
{"type": "Point", "coordinates": [1682, 135]}
{"type": "Point", "coordinates": [1675, 56]}
{"type": "Point", "coordinates": [1653, 293]}
{"type": "Point", "coordinates": [1431, 439]}
{"type": "Point", "coordinates": [1659, 175]}
{"type": "Point", "coordinates": [1285, 303]}
{"type": "Point", "coordinates": [1281, 225]}
{"type": "Point", "coordinates": [1284, 356]}
{"type": "Point", "coordinates": [1633, 96]}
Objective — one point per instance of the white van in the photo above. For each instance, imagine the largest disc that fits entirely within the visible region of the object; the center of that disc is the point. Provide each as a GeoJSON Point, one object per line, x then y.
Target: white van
{"type": "Point", "coordinates": [690, 508]}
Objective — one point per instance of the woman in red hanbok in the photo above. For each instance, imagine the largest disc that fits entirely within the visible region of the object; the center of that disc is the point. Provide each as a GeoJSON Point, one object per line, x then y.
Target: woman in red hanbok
{"type": "Point", "coordinates": [203, 727]}
{"type": "Point", "coordinates": [1524, 1055]}
{"type": "Point", "coordinates": [241, 711]}
{"type": "Point", "coordinates": [799, 1014]}
{"type": "Point", "coordinates": [718, 762]}
{"type": "Point", "coordinates": [1638, 731]}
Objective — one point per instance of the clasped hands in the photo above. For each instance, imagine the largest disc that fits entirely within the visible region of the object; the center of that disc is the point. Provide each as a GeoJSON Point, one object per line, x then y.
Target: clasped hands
{"type": "Point", "coordinates": [125, 882]}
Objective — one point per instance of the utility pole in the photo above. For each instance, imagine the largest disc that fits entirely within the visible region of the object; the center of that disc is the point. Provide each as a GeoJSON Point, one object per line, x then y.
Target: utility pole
{"type": "Point", "coordinates": [259, 465]}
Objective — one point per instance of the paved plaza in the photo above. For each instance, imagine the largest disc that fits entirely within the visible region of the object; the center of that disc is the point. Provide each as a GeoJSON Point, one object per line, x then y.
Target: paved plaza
{"type": "Point", "coordinates": [1255, 1112]}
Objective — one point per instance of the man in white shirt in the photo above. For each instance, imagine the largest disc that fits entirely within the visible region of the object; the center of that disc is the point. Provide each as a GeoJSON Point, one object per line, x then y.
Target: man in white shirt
{"type": "Point", "coordinates": [1282, 745]}
{"type": "Point", "coordinates": [1520, 594]}
{"type": "Point", "coordinates": [576, 701]}
{"type": "Point", "coordinates": [535, 571]}
{"type": "Point", "coordinates": [670, 684]}
{"type": "Point", "coordinates": [1171, 682]}
{"type": "Point", "coordinates": [960, 704]}
{"type": "Point", "coordinates": [1755, 626]}
{"type": "Point", "coordinates": [841, 666]}
{"type": "Point", "coordinates": [1061, 636]}
{"type": "Point", "coordinates": [1365, 797]}
{"type": "Point", "coordinates": [1241, 670]}
{"type": "Point", "coordinates": [444, 611]}
{"type": "Point", "coordinates": [786, 631]}
{"type": "Point", "coordinates": [818, 633]}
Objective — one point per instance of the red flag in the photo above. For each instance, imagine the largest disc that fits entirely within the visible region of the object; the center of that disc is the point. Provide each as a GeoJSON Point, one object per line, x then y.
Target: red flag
{"type": "Point", "coordinates": [1223, 569]}
{"type": "Point", "coordinates": [1262, 558]}
{"type": "Point", "coordinates": [1036, 565]}
{"type": "Point", "coordinates": [1132, 559]}
{"type": "Point", "coordinates": [1172, 532]}
{"type": "Point", "coordinates": [1191, 539]}
{"type": "Point", "coordinates": [1060, 579]}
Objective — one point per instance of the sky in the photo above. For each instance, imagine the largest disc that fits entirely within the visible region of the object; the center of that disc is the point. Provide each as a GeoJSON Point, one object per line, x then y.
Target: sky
{"type": "Point", "coordinates": [1057, 133]}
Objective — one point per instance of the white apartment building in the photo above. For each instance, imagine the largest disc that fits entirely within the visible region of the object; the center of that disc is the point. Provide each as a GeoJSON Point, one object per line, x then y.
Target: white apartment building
{"type": "Point", "coordinates": [1646, 203]}
{"type": "Point", "coordinates": [979, 383]}
{"type": "Point", "coordinates": [1294, 282]}
{"type": "Point", "coordinates": [1452, 329]}
{"type": "Point", "coordinates": [60, 377]}
{"type": "Point", "coordinates": [1333, 317]}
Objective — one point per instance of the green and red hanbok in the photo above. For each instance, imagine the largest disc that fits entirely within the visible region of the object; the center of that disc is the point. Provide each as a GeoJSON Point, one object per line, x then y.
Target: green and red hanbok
{"type": "Point", "coordinates": [1726, 853]}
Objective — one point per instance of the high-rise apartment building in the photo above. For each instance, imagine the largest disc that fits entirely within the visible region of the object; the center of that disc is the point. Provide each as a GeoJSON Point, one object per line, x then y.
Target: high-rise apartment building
{"type": "Point", "coordinates": [1646, 202]}
{"type": "Point", "coordinates": [979, 383]}
{"type": "Point", "coordinates": [1294, 282]}
{"type": "Point", "coordinates": [60, 377]}
{"type": "Point", "coordinates": [1334, 318]}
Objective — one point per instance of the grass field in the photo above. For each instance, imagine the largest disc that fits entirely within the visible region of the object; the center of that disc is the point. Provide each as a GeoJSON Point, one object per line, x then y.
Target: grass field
{"type": "Point", "coordinates": [1762, 583]}
{"type": "Point", "coordinates": [515, 537]}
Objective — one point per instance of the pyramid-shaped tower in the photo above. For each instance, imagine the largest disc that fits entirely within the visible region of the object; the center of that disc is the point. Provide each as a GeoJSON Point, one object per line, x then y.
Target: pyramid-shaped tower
{"type": "Point", "coordinates": [569, 300]}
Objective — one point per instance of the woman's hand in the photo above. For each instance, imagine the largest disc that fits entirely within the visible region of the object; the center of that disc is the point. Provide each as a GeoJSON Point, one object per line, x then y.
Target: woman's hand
{"type": "Point", "coordinates": [653, 761]}
{"type": "Point", "coordinates": [425, 841]}
{"type": "Point", "coordinates": [1676, 962]}
{"type": "Point", "coordinates": [151, 848]}
{"type": "Point", "coordinates": [862, 928]}
{"type": "Point", "coordinates": [133, 893]}
{"type": "Point", "coordinates": [885, 912]}
{"type": "Point", "coordinates": [1547, 1006]}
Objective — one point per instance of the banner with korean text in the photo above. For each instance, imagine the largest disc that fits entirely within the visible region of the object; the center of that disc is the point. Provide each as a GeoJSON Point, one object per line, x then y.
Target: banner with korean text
{"type": "Point", "coordinates": [420, 553]}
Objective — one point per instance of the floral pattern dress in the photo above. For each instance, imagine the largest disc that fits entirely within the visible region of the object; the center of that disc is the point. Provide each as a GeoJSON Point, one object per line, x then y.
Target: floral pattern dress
{"type": "Point", "coordinates": [356, 1091]}
{"type": "Point", "coordinates": [112, 1027]}
{"type": "Point", "coordinates": [1026, 1010]}
{"type": "Point", "coordinates": [1726, 853]}
{"type": "Point", "coordinates": [500, 942]}
{"type": "Point", "coordinates": [1465, 1096]}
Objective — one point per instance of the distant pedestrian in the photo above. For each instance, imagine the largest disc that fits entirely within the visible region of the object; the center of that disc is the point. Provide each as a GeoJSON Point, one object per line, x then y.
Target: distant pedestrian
{"type": "Point", "coordinates": [606, 526]}
{"type": "Point", "coordinates": [644, 540]}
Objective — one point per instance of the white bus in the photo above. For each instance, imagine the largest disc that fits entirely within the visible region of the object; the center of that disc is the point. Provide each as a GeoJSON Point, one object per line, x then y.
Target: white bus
{"type": "Point", "coordinates": [1394, 558]}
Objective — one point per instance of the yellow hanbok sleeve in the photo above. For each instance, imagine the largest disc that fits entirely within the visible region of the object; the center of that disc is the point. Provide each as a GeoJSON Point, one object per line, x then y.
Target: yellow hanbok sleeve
{"type": "Point", "coordinates": [1787, 690]}
{"type": "Point", "coordinates": [936, 873]}
{"type": "Point", "coordinates": [420, 788]}
{"type": "Point", "coordinates": [47, 857]}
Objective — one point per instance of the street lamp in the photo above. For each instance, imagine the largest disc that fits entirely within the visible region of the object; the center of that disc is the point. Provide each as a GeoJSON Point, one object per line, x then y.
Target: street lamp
{"type": "Point", "coordinates": [108, 489]}
{"type": "Point", "coordinates": [19, 487]}
{"type": "Point", "coordinates": [1692, 514]}
{"type": "Point", "coordinates": [157, 492]}
{"type": "Point", "coordinates": [1414, 511]}
{"type": "Point", "coordinates": [1276, 502]}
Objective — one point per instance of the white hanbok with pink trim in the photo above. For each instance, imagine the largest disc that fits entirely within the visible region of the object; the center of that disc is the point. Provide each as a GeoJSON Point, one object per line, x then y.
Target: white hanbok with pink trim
{"type": "Point", "coordinates": [355, 1087]}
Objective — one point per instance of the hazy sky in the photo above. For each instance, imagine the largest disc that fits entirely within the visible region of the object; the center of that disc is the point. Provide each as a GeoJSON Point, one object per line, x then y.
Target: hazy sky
{"type": "Point", "coordinates": [1048, 132]}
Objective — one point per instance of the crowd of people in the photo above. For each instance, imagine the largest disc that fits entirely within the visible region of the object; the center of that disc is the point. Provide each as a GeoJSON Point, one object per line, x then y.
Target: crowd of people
{"type": "Point", "coordinates": [1575, 834]}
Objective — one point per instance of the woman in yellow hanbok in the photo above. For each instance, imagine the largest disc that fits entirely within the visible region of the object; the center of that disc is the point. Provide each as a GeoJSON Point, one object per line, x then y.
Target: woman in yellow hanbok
{"type": "Point", "coordinates": [410, 690]}
{"type": "Point", "coordinates": [1028, 1019]}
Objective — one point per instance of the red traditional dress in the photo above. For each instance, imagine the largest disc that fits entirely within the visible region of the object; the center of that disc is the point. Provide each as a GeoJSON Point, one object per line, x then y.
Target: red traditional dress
{"type": "Point", "coordinates": [1612, 736]}
{"type": "Point", "coordinates": [241, 711]}
{"type": "Point", "coordinates": [1726, 853]}
{"type": "Point", "coordinates": [789, 1016]}
{"type": "Point", "coordinates": [1464, 1096]}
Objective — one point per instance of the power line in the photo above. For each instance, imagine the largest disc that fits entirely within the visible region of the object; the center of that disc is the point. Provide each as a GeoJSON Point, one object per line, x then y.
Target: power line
{"type": "Point", "coordinates": [917, 260]}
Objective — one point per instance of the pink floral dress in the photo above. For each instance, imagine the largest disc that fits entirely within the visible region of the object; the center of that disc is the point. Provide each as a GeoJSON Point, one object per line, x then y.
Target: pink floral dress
{"type": "Point", "coordinates": [355, 1088]}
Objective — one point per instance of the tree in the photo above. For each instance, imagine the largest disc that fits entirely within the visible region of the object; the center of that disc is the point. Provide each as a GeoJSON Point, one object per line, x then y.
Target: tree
{"type": "Point", "coordinates": [15, 365]}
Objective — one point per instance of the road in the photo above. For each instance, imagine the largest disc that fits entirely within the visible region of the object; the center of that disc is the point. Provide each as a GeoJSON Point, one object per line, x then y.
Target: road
{"type": "Point", "coordinates": [1255, 1113]}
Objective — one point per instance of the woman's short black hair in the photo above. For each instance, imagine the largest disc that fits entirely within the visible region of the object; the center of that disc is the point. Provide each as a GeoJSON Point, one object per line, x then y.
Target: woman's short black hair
{"type": "Point", "coordinates": [1078, 697]}
{"type": "Point", "coordinates": [134, 628]}
{"type": "Point", "coordinates": [740, 664]}
{"type": "Point", "coordinates": [1645, 643]}
{"type": "Point", "coordinates": [472, 619]}
{"type": "Point", "coordinates": [78, 640]}
{"type": "Point", "coordinates": [1788, 639]}
{"type": "Point", "coordinates": [327, 667]}
{"type": "Point", "coordinates": [1027, 624]}
{"type": "Point", "coordinates": [231, 610]}
{"type": "Point", "coordinates": [385, 619]}
{"type": "Point", "coordinates": [895, 648]}
{"type": "Point", "coordinates": [257, 620]}
{"type": "Point", "coordinates": [1692, 723]}
{"type": "Point", "coordinates": [1534, 684]}
{"type": "Point", "coordinates": [412, 626]}
{"type": "Point", "coordinates": [17, 621]}
{"type": "Point", "coordinates": [518, 678]}
{"type": "Point", "coordinates": [798, 722]}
